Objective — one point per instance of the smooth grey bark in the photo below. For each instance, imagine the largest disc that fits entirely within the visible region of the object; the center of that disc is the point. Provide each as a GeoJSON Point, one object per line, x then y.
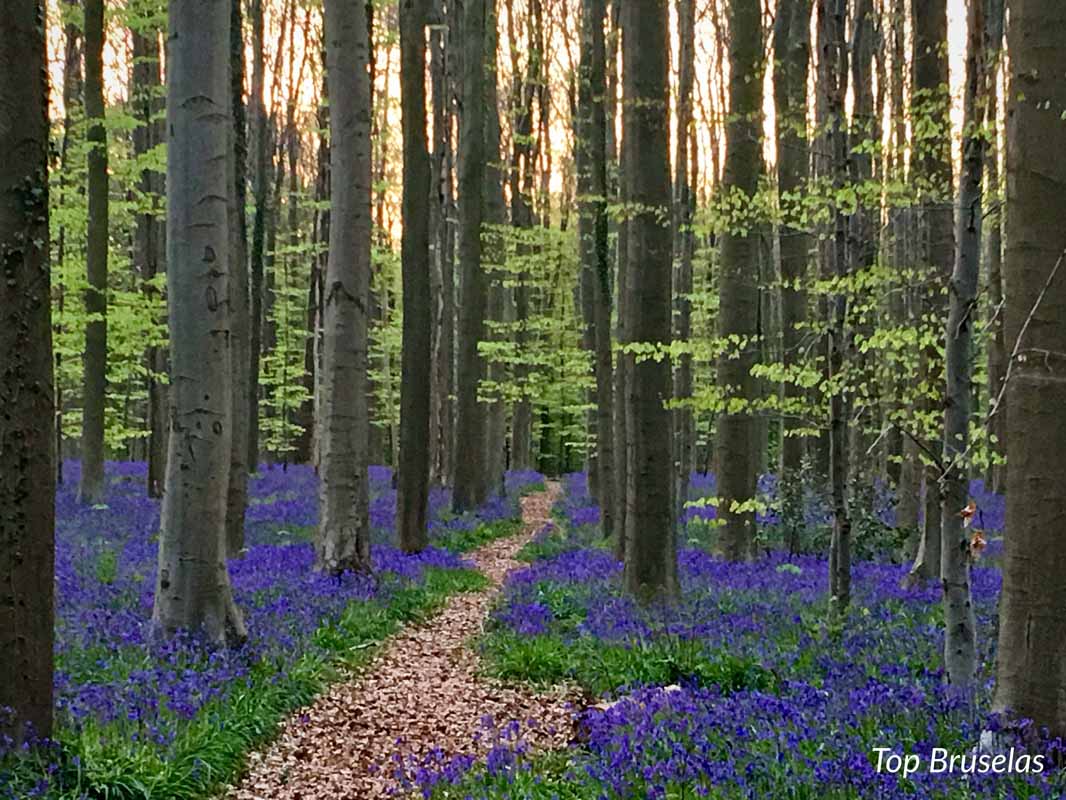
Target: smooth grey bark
{"type": "Point", "coordinates": [686, 160]}
{"type": "Point", "coordinates": [792, 52]}
{"type": "Point", "coordinates": [651, 546]}
{"type": "Point", "coordinates": [342, 541]}
{"type": "Point", "coordinates": [832, 18]}
{"type": "Point", "coordinates": [27, 443]}
{"type": "Point", "coordinates": [239, 301]}
{"type": "Point", "coordinates": [192, 587]}
{"type": "Point", "coordinates": [149, 247]}
{"type": "Point", "coordinates": [737, 284]}
{"type": "Point", "coordinates": [260, 163]}
{"type": "Point", "coordinates": [1032, 611]}
{"type": "Point", "coordinates": [960, 623]}
{"type": "Point", "coordinates": [932, 171]}
{"type": "Point", "coordinates": [591, 157]}
{"type": "Point", "coordinates": [471, 423]}
{"type": "Point", "coordinates": [94, 378]}
{"type": "Point", "coordinates": [619, 192]}
{"type": "Point", "coordinates": [412, 496]}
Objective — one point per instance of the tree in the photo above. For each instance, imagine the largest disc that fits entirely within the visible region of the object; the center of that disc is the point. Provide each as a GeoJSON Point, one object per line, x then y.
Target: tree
{"type": "Point", "coordinates": [343, 538]}
{"type": "Point", "coordinates": [1032, 628]}
{"type": "Point", "coordinates": [240, 320]}
{"type": "Point", "coordinates": [591, 158]}
{"type": "Point", "coordinates": [149, 247]}
{"type": "Point", "coordinates": [94, 391]}
{"type": "Point", "coordinates": [832, 18]}
{"type": "Point", "coordinates": [192, 588]}
{"type": "Point", "coordinates": [737, 288]}
{"type": "Point", "coordinates": [261, 163]}
{"type": "Point", "coordinates": [685, 180]}
{"type": "Point", "coordinates": [932, 174]}
{"type": "Point", "coordinates": [470, 470]}
{"type": "Point", "coordinates": [651, 548]}
{"type": "Point", "coordinates": [960, 623]}
{"type": "Point", "coordinates": [413, 486]}
{"type": "Point", "coordinates": [27, 446]}
{"type": "Point", "coordinates": [792, 51]}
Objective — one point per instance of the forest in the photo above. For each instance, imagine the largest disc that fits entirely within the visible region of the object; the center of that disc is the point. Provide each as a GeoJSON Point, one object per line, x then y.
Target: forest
{"type": "Point", "coordinates": [532, 399]}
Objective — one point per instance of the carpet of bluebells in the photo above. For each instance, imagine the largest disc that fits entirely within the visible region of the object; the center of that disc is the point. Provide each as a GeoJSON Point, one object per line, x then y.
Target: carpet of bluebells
{"type": "Point", "coordinates": [123, 698]}
{"type": "Point", "coordinates": [740, 689]}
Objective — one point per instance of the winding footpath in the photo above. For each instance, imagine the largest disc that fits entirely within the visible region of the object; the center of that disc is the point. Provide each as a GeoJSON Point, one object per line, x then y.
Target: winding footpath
{"type": "Point", "coordinates": [421, 694]}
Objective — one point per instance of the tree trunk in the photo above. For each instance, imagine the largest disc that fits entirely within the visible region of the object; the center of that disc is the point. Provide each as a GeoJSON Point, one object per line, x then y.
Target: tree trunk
{"type": "Point", "coordinates": [686, 150]}
{"type": "Point", "coordinates": [651, 548]}
{"type": "Point", "coordinates": [149, 250]}
{"type": "Point", "coordinates": [592, 191]}
{"type": "Point", "coordinates": [193, 588]}
{"type": "Point", "coordinates": [343, 538]}
{"type": "Point", "coordinates": [94, 386]}
{"type": "Point", "coordinates": [832, 16]}
{"type": "Point", "coordinates": [413, 485]}
{"type": "Point", "coordinates": [260, 140]}
{"type": "Point", "coordinates": [470, 479]}
{"type": "Point", "coordinates": [27, 451]}
{"type": "Point", "coordinates": [792, 50]}
{"type": "Point", "coordinates": [993, 224]}
{"type": "Point", "coordinates": [1032, 627]}
{"type": "Point", "coordinates": [622, 365]}
{"type": "Point", "coordinates": [737, 289]}
{"type": "Point", "coordinates": [930, 100]}
{"type": "Point", "coordinates": [240, 321]}
{"type": "Point", "coordinates": [960, 623]}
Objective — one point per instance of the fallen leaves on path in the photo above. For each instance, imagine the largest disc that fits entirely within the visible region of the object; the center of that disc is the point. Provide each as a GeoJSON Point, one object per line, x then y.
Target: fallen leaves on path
{"type": "Point", "coordinates": [421, 694]}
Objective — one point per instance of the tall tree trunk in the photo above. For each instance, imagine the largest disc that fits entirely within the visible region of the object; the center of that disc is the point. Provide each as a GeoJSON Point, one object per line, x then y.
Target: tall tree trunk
{"type": "Point", "coordinates": [193, 589]}
{"type": "Point", "coordinates": [997, 347]}
{"type": "Point", "coordinates": [792, 51]}
{"type": "Point", "coordinates": [1032, 627]}
{"type": "Point", "coordinates": [651, 547]}
{"type": "Point", "coordinates": [622, 365]}
{"type": "Point", "coordinates": [686, 150]}
{"type": "Point", "coordinates": [27, 451]}
{"type": "Point", "coordinates": [94, 385]}
{"type": "Point", "coordinates": [931, 101]}
{"type": "Point", "coordinates": [960, 623]}
{"type": "Point", "coordinates": [737, 289]}
{"type": "Point", "coordinates": [494, 259]}
{"type": "Point", "coordinates": [592, 191]}
{"type": "Point", "coordinates": [149, 249]}
{"type": "Point", "coordinates": [240, 320]}
{"type": "Point", "coordinates": [260, 140]}
{"type": "Point", "coordinates": [413, 486]}
{"type": "Point", "coordinates": [343, 538]}
{"type": "Point", "coordinates": [832, 16]}
{"type": "Point", "coordinates": [470, 478]}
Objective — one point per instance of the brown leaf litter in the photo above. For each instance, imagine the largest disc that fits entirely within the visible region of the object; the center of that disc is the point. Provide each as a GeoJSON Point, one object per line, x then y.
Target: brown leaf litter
{"type": "Point", "coordinates": [421, 692]}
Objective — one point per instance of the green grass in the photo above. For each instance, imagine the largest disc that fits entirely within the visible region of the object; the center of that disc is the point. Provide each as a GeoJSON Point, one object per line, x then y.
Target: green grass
{"type": "Point", "coordinates": [465, 541]}
{"type": "Point", "coordinates": [210, 750]}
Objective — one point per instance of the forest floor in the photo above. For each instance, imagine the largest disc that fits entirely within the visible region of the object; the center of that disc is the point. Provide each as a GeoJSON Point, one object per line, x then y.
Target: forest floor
{"type": "Point", "coordinates": [422, 699]}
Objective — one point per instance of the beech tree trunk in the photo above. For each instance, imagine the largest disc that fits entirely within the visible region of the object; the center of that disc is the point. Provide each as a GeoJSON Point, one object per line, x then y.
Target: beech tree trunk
{"type": "Point", "coordinates": [260, 141]}
{"type": "Point", "coordinates": [591, 157]}
{"type": "Point", "coordinates": [792, 51]}
{"type": "Point", "coordinates": [343, 538]}
{"type": "Point", "coordinates": [149, 248]}
{"type": "Point", "coordinates": [470, 478]}
{"type": "Point", "coordinates": [960, 623]}
{"type": "Point", "coordinates": [737, 286]}
{"type": "Point", "coordinates": [94, 383]}
{"type": "Point", "coordinates": [686, 150]}
{"type": "Point", "coordinates": [192, 588]}
{"type": "Point", "coordinates": [239, 301]}
{"type": "Point", "coordinates": [413, 485]}
{"type": "Point", "coordinates": [930, 99]}
{"type": "Point", "coordinates": [1032, 627]}
{"type": "Point", "coordinates": [651, 547]}
{"type": "Point", "coordinates": [27, 444]}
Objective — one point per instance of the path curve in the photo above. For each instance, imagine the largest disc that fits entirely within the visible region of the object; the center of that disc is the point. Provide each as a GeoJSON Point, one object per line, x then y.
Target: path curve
{"type": "Point", "coordinates": [421, 692]}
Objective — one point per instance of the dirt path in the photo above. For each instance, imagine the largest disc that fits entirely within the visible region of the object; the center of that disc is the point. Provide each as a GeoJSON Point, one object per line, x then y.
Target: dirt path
{"type": "Point", "coordinates": [420, 693]}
